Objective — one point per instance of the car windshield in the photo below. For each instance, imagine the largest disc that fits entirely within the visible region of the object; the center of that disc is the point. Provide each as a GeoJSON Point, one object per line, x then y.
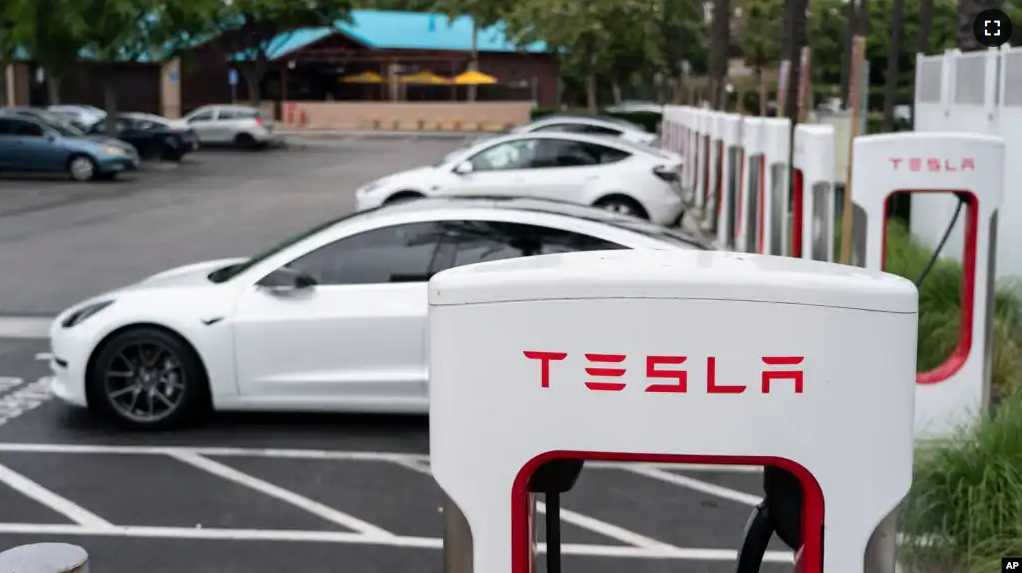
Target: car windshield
{"type": "Point", "coordinates": [65, 129]}
{"type": "Point", "coordinates": [660, 233]}
{"type": "Point", "coordinates": [229, 272]}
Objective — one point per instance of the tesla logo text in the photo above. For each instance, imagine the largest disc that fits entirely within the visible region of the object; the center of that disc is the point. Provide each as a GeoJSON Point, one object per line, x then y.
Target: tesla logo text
{"type": "Point", "coordinates": [932, 164]}
{"type": "Point", "coordinates": [605, 373]}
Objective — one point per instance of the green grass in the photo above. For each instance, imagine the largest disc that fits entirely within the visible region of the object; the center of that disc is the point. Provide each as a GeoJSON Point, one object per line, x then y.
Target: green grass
{"type": "Point", "coordinates": [967, 490]}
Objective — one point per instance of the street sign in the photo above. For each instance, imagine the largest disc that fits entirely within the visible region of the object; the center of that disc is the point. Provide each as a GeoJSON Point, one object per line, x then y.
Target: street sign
{"type": "Point", "coordinates": [174, 77]}
{"type": "Point", "coordinates": [232, 77]}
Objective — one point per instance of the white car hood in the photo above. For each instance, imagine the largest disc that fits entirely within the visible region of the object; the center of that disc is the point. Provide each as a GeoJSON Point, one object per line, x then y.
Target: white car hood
{"type": "Point", "coordinates": [417, 177]}
{"type": "Point", "coordinates": [193, 274]}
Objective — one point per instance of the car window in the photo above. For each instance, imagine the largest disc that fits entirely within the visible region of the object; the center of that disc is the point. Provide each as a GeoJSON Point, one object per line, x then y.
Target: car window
{"type": "Point", "coordinates": [203, 115]}
{"type": "Point", "coordinates": [517, 154]}
{"type": "Point", "coordinates": [229, 113]}
{"type": "Point", "coordinates": [402, 253]}
{"type": "Point", "coordinates": [600, 130]}
{"type": "Point", "coordinates": [565, 153]}
{"type": "Point", "coordinates": [6, 127]}
{"type": "Point", "coordinates": [481, 241]}
{"type": "Point", "coordinates": [26, 129]}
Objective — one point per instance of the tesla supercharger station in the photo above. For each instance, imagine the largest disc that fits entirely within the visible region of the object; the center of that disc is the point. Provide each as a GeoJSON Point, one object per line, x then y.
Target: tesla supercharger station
{"type": "Point", "coordinates": [715, 168]}
{"type": "Point", "coordinates": [749, 214]}
{"type": "Point", "coordinates": [538, 364]}
{"type": "Point", "coordinates": [728, 178]}
{"type": "Point", "coordinates": [971, 168]}
{"type": "Point", "coordinates": [812, 190]}
{"type": "Point", "coordinates": [702, 163]}
{"type": "Point", "coordinates": [693, 138]}
{"type": "Point", "coordinates": [777, 149]}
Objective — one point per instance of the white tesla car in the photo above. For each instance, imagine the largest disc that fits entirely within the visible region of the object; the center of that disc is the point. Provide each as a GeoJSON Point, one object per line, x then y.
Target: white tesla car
{"type": "Point", "coordinates": [333, 319]}
{"type": "Point", "coordinates": [592, 125]}
{"type": "Point", "coordinates": [588, 170]}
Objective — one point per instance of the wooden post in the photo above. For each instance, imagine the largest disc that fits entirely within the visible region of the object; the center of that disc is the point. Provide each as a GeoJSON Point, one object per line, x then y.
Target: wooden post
{"type": "Point", "coordinates": [45, 558]}
{"type": "Point", "coordinates": [857, 65]}
{"type": "Point", "coordinates": [805, 84]}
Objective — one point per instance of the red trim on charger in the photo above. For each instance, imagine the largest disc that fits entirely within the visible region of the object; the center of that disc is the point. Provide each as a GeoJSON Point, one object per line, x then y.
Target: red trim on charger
{"type": "Point", "coordinates": [741, 193]}
{"type": "Point", "coordinates": [960, 355]}
{"type": "Point", "coordinates": [762, 204]}
{"type": "Point", "coordinates": [797, 216]}
{"type": "Point", "coordinates": [718, 192]}
{"type": "Point", "coordinates": [812, 499]}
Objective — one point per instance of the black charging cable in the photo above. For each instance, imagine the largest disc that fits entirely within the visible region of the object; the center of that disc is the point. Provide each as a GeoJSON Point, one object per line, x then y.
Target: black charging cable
{"type": "Point", "coordinates": [963, 199]}
{"type": "Point", "coordinates": [553, 531]}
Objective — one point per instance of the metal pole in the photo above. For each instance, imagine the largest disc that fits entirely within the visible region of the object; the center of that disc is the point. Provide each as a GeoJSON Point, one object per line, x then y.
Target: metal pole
{"type": "Point", "coordinates": [457, 539]}
{"type": "Point", "coordinates": [858, 61]}
{"type": "Point", "coordinates": [882, 548]}
{"type": "Point", "coordinates": [45, 558]}
{"type": "Point", "coordinates": [553, 532]}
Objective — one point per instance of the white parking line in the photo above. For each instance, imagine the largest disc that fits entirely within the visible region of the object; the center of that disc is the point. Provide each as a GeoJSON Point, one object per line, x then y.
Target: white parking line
{"type": "Point", "coordinates": [51, 500]}
{"type": "Point", "coordinates": [24, 399]}
{"type": "Point", "coordinates": [353, 538]}
{"type": "Point", "coordinates": [301, 502]}
{"type": "Point", "coordinates": [698, 485]}
{"type": "Point", "coordinates": [25, 327]}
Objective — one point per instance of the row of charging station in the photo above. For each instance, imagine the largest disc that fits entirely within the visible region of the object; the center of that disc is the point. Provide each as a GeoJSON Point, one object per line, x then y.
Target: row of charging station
{"type": "Point", "coordinates": [737, 176]}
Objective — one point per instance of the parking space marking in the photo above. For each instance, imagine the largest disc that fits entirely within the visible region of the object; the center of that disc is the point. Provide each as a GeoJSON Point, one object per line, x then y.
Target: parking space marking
{"type": "Point", "coordinates": [24, 399]}
{"type": "Point", "coordinates": [51, 500]}
{"type": "Point", "coordinates": [218, 534]}
{"type": "Point", "coordinates": [698, 485]}
{"type": "Point", "coordinates": [287, 496]}
{"type": "Point", "coordinates": [208, 452]}
{"type": "Point", "coordinates": [23, 327]}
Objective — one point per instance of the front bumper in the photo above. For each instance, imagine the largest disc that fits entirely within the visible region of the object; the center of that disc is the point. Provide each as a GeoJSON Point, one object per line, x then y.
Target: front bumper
{"type": "Point", "coordinates": [117, 164]}
{"type": "Point", "coordinates": [70, 349]}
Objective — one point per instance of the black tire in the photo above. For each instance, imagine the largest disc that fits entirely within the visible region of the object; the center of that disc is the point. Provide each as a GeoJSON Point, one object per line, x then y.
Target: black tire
{"type": "Point", "coordinates": [622, 204]}
{"type": "Point", "coordinates": [168, 153]}
{"type": "Point", "coordinates": [190, 392]}
{"type": "Point", "coordinates": [81, 168]}
{"type": "Point", "coordinates": [402, 197]}
{"type": "Point", "coordinates": [245, 141]}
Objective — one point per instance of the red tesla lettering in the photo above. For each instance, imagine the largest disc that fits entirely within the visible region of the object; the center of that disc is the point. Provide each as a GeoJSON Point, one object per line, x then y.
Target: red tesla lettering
{"type": "Point", "coordinates": [933, 164]}
{"type": "Point", "coordinates": [968, 164]}
{"type": "Point", "coordinates": [545, 359]}
{"type": "Point", "coordinates": [915, 164]}
{"type": "Point", "coordinates": [681, 376]}
{"type": "Point", "coordinates": [948, 166]}
{"type": "Point", "coordinates": [793, 375]}
{"type": "Point", "coordinates": [711, 380]}
{"type": "Point", "coordinates": [606, 372]}
{"type": "Point", "coordinates": [895, 162]}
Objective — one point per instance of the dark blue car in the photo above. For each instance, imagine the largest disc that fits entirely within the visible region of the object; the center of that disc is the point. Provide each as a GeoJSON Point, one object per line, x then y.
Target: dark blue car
{"type": "Point", "coordinates": [30, 144]}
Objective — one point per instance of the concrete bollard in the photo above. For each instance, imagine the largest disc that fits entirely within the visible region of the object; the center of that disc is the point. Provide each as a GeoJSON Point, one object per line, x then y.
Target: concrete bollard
{"type": "Point", "coordinates": [45, 558]}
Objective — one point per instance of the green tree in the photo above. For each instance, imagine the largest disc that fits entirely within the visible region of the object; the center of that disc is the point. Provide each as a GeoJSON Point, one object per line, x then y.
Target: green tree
{"type": "Point", "coordinates": [249, 30]}
{"type": "Point", "coordinates": [757, 29]}
{"type": "Point", "coordinates": [50, 31]}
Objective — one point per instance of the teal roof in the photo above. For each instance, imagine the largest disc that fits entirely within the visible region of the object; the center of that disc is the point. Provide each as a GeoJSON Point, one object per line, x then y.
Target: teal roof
{"type": "Point", "coordinates": [385, 29]}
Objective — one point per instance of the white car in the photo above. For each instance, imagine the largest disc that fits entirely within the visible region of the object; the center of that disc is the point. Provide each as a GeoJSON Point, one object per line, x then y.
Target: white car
{"type": "Point", "coordinates": [588, 170]}
{"type": "Point", "coordinates": [333, 319]}
{"type": "Point", "coordinates": [85, 116]}
{"type": "Point", "coordinates": [236, 125]}
{"type": "Point", "coordinates": [592, 125]}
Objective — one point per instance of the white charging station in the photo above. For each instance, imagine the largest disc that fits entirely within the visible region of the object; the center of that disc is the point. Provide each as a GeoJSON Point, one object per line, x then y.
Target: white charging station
{"type": "Point", "coordinates": [671, 127]}
{"type": "Point", "coordinates": [812, 189]}
{"type": "Point", "coordinates": [702, 186]}
{"type": "Point", "coordinates": [693, 137]}
{"type": "Point", "coordinates": [777, 149]}
{"type": "Point", "coordinates": [562, 358]}
{"type": "Point", "coordinates": [967, 166]}
{"type": "Point", "coordinates": [727, 184]}
{"type": "Point", "coordinates": [711, 210]}
{"type": "Point", "coordinates": [749, 216]}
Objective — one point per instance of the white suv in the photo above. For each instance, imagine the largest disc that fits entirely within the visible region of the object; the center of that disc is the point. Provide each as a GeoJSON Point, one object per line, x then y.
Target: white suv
{"type": "Point", "coordinates": [229, 124]}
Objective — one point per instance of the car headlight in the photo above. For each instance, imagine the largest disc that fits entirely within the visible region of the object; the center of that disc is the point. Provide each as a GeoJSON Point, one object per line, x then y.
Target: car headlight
{"type": "Point", "coordinates": [111, 150]}
{"type": "Point", "coordinates": [370, 187]}
{"type": "Point", "coordinates": [82, 314]}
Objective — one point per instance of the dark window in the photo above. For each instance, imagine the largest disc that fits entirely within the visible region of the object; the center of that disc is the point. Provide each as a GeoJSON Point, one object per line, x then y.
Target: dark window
{"type": "Point", "coordinates": [402, 253]}
{"type": "Point", "coordinates": [516, 154]}
{"type": "Point", "coordinates": [565, 153]}
{"type": "Point", "coordinates": [6, 127]}
{"type": "Point", "coordinates": [205, 115]}
{"type": "Point", "coordinates": [26, 129]}
{"type": "Point", "coordinates": [600, 130]}
{"type": "Point", "coordinates": [481, 241]}
{"type": "Point", "coordinates": [563, 128]}
{"type": "Point", "coordinates": [226, 114]}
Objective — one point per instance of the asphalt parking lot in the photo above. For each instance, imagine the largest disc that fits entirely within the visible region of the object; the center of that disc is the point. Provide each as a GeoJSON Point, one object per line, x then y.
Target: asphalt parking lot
{"type": "Point", "coordinates": [254, 493]}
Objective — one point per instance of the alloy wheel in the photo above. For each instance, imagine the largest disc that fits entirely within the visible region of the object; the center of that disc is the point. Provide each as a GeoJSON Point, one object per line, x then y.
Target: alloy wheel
{"type": "Point", "coordinates": [82, 169]}
{"type": "Point", "coordinates": [145, 382]}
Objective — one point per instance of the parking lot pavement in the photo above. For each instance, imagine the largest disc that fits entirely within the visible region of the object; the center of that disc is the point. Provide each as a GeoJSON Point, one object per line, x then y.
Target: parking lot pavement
{"type": "Point", "coordinates": [69, 241]}
{"type": "Point", "coordinates": [261, 492]}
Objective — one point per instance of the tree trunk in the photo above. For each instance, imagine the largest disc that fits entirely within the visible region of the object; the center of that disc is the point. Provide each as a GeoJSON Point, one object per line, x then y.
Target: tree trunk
{"type": "Point", "coordinates": [615, 88]}
{"type": "Point", "coordinates": [846, 50]}
{"type": "Point", "coordinates": [52, 88]}
{"type": "Point", "coordinates": [720, 42]}
{"type": "Point", "coordinates": [591, 92]}
{"type": "Point", "coordinates": [473, 63]}
{"type": "Point", "coordinates": [893, 55]}
{"type": "Point", "coordinates": [797, 40]}
{"type": "Point", "coordinates": [110, 106]}
{"type": "Point", "coordinates": [923, 29]}
{"type": "Point", "coordinates": [253, 73]}
{"type": "Point", "coordinates": [763, 91]}
{"type": "Point", "coordinates": [968, 10]}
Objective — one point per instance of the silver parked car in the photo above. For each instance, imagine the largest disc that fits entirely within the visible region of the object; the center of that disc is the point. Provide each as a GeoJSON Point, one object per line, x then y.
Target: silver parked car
{"type": "Point", "coordinates": [237, 125]}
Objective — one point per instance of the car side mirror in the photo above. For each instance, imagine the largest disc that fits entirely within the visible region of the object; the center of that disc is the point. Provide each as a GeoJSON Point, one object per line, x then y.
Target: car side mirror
{"type": "Point", "coordinates": [463, 168]}
{"type": "Point", "coordinates": [284, 281]}
{"type": "Point", "coordinates": [50, 137]}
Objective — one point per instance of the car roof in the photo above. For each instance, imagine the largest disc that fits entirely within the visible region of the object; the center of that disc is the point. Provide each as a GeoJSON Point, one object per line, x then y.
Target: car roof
{"type": "Point", "coordinates": [592, 118]}
{"type": "Point", "coordinates": [582, 137]}
{"type": "Point", "coordinates": [504, 203]}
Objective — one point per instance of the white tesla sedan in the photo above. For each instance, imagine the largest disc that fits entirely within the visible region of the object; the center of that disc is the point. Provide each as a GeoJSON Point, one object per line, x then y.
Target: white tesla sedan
{"type": "Point", "coordinates": [333, 319]}
{"type": "Point", "coordinates": [588, 170]}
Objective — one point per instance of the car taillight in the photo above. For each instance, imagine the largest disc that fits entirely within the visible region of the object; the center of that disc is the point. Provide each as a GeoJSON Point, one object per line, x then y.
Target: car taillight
{"type": "Point", "coordinates": [259, 121]}
{"type": "Point", "coordinates": [665, 173]}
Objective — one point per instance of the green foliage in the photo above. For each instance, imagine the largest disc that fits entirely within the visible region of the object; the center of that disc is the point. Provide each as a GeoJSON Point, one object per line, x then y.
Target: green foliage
{"type": "Point", "coordinates": [758, 31]}
{"type": "Point", "coordinates": [649, 121]}
{"type": "Point", "coordinates": [247, 27]}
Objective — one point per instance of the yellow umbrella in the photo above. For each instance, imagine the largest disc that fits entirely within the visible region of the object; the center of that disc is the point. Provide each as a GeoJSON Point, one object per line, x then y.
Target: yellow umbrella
{"type": "Point", "coordinates": [473, 78]}
{"type": "Point", "coordinates": [363, 78]}
{"type": "Point", "coordinates": [425, 77]}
